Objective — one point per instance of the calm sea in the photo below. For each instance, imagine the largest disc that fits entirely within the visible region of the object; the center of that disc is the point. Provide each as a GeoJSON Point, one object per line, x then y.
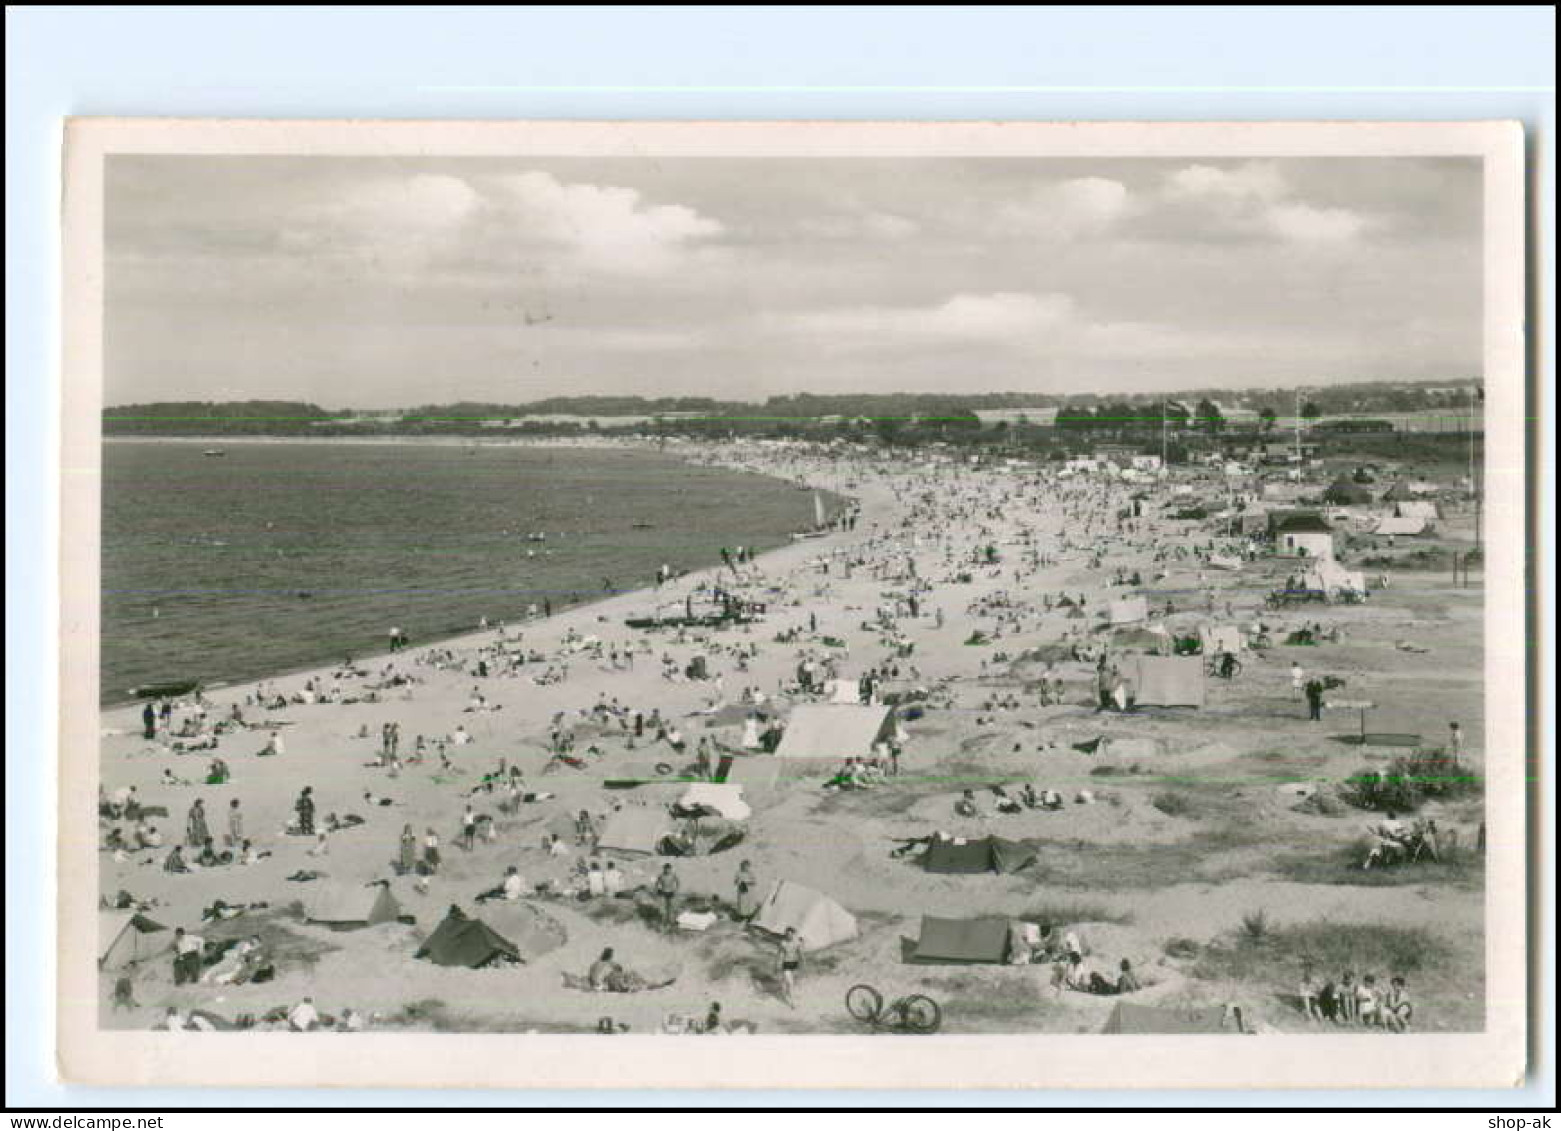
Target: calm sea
{"type": "Point", "coordinates": [280, 556]}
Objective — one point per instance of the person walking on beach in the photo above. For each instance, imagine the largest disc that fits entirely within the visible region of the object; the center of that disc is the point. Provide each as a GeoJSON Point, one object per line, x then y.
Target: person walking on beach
{"type": "Point", "coordinates": [747, 891]}
{"type": "Point", "coordinates": [667, 891]}
{"type": "Point", "coordinates": [789, 957]}
{"type": "Point", "coordinates": [235, 824]}
{"type": "Point", "coordinates": [469, 828]}
{"type": "Point", "coordinates": [406, 862]}
{"type": "Point", "coordinates": [196, 833]}
{"type": "Point", "coordinates": [304, 807]}
{"type": "Point", "coordinates": [1314, 700]}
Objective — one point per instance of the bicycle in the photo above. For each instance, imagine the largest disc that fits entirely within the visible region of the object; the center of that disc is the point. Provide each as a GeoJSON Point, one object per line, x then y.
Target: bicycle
{"type": "Point", "coordinates": [914, 1013]}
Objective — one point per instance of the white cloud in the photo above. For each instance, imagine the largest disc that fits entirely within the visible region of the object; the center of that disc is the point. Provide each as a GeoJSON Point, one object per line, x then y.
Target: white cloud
{"type": "Point", "coordinates": [1255, 200]}
{"type": "Point", "coordinates": [1255, 180]}
{"type": "Point", "coordinates": [1083, 206]}
{"type": "Point", "coordinates": [1305, 224]}
{"type": "Point", "coordinates": [604, 227]}
{"type": "Point", "coordinates": [871, 224]}
{"type": "Point", "coordinates": [1004, 316]}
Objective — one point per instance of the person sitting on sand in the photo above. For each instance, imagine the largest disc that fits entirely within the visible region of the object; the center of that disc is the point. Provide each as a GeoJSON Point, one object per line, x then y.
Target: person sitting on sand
{"type": "Point", "coordinates": [1397, 1010]}
{"type": "Point", "coordinates": [175, 860]}
{"type": "Point", "coordinates": [1127, 980]}
{"type": "Point", "coordinates": [303, 1017]}
{"type": "Point", "coordinates": [1366, 1001]}
{"type": "Point", "coordinates": [510, 889]}
{"type": "Point", "coordinates": [966, 805]}
{"type": "Point", "coordinates": [613, 880]}
{"type": "Point", "coordinates": [605, 973]}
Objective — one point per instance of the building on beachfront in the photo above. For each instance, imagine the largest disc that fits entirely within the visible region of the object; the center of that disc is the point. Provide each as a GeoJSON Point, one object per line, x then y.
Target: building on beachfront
{"type": "Point", "coordinates": [1302, 534]}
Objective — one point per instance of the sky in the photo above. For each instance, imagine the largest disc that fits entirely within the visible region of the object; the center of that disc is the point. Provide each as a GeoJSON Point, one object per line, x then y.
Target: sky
{"type": "Point", "coordinates": [394, 282]}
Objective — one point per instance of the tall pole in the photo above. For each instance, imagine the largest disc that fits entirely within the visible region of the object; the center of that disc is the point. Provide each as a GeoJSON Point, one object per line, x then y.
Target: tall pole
{"type": "Point", "coordinates": [1162, 433]}
{"type": "Point", "coordinates": [1298, 426]}
{"type": "Point", "coordinates": [1474, 483]}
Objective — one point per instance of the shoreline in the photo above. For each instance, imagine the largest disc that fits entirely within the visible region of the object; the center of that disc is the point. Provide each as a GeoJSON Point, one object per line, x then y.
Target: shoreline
{"type": "Point", "coordinates": [587, 612]}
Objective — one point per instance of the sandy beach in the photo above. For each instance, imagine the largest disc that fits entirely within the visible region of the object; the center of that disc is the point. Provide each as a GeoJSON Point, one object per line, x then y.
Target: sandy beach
{"type": "Point", "coordinates": [1180, 827]}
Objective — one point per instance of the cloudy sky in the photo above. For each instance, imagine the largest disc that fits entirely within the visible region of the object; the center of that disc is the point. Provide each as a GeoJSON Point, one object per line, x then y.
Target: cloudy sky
{"type": "Point", "coordinates": [381, 282]}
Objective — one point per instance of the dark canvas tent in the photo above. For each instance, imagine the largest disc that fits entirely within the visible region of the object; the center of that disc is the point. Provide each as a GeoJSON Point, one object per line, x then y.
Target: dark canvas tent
{"type": "Point", "coordinates": [347, 908]}
{"type": "Point", "coordinates": [1170, 681]}
{"type": "Point", "coordinates": [462, 941]}
{"type": "Point", "coordinates": [1342, 492]}
{"type": "Point", "coordinates": [959, 857]}
{"type": "Point", "coordinates": [961, 941]}
{"type": "Point", "coordinates": [1128, 1017]}
{"type": "Point", "coordinates": [128, 938]}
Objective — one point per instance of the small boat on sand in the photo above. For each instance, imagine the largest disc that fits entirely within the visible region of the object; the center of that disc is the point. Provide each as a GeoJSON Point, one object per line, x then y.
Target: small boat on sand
{"type": "Point", "coordinates": [214, 452]}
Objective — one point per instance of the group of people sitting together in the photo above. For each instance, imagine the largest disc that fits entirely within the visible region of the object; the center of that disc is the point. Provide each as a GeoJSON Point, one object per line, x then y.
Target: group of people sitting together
{"type": "Point", "coordinates": [1394, 841]}
{"type": "Point", "coordinates": [1365, 1003]}
{"type": "Point", "coordinates": [1026, 797]}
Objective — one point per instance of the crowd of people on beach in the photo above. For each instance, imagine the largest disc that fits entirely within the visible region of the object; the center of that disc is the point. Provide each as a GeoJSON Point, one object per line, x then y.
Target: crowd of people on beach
{"type": "Point", "coordinates": [721, 696]}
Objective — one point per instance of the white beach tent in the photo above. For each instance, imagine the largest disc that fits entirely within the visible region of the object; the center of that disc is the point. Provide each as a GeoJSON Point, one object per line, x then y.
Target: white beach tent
{"type": "Point", "coordinates": [725, 799]}
{"type": "Point", "coordinates": [129, 938]}
{"type": "Point", "coordinates": [834, 731]}
{"type": "Point", "coordinates": [819, 921]}
{"type": "Point", "coordinates": [348, 907]}
{"type": "Point", "coordinates": [1130, 610]}
{"type": "Point", "coordinates": [844, 690]}
{"type": "Point", "coordinates": [1405, 527]}
{"type": "Point", "coordinates": [634, 828]}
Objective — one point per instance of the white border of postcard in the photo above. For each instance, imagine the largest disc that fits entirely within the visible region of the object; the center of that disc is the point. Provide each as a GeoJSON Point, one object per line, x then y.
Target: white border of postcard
{"type": "Point", "coordinates": [1494, 1058]}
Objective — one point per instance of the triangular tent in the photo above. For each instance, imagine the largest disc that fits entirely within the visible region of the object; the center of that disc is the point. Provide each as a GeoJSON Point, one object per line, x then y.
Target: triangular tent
{"type": "Point", "coordinates": [844, 691]}
{"type": "Point", "coordinates": [1342, 491]}
{"type": "Point", "coordinates": [1130, 610]}
{"type": "Point", "coordinates": [345, 907]}
{"type": "Point", "coordinates": [129, 938]}
{"type": "Point", "coordinates": [819, 920]}
{"type": "Point", "coordinates": [1219, 638]}
{"type": "Point", "coordinates": [462, 941]}
{"type": "Point", "coordinates": [959, 857]}
{"type": "Point", "coordinates": [1403, 527]}
{"type": "Point", "coordinates": [1128, 1017]}
{"type": "Point", "coordinates": [1170, 681]}
{"type": "Point", "coordinates": [634, 828]}
{"type": "Point", "coordinates": [834, 731]}
{"type": "Point", "coordinates": [961, 941]}
{"type": "Point", "coordinates": [725, 800]}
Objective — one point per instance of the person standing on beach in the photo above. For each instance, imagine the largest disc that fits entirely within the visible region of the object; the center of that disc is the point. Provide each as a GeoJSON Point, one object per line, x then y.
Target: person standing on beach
{"type": "Point", "coordinates": [790, 961]}
{"type": "Point", "coordinates": [406, 861]}
{"type": "Point", "coordinates": [747, 891]}
{"type": "Point", "coordinates": [469, 828]}
{"type": "Point", "coordinates": [1314, 700]}
{"type": "Point", "coordinates": [235, 824]}
{"type": "Point", "coordinates": [1297, 680]}
{"type": "Point", "coordinates": [667, 891]}
{"type": "Point", "coordinates": [148, 721]}
{"type": "Point", "coordinates": [304, 807]}
{"type": "Point", "coordinates": [431, 853]}
{"type": "Point", "coordinates": [195, 825]}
